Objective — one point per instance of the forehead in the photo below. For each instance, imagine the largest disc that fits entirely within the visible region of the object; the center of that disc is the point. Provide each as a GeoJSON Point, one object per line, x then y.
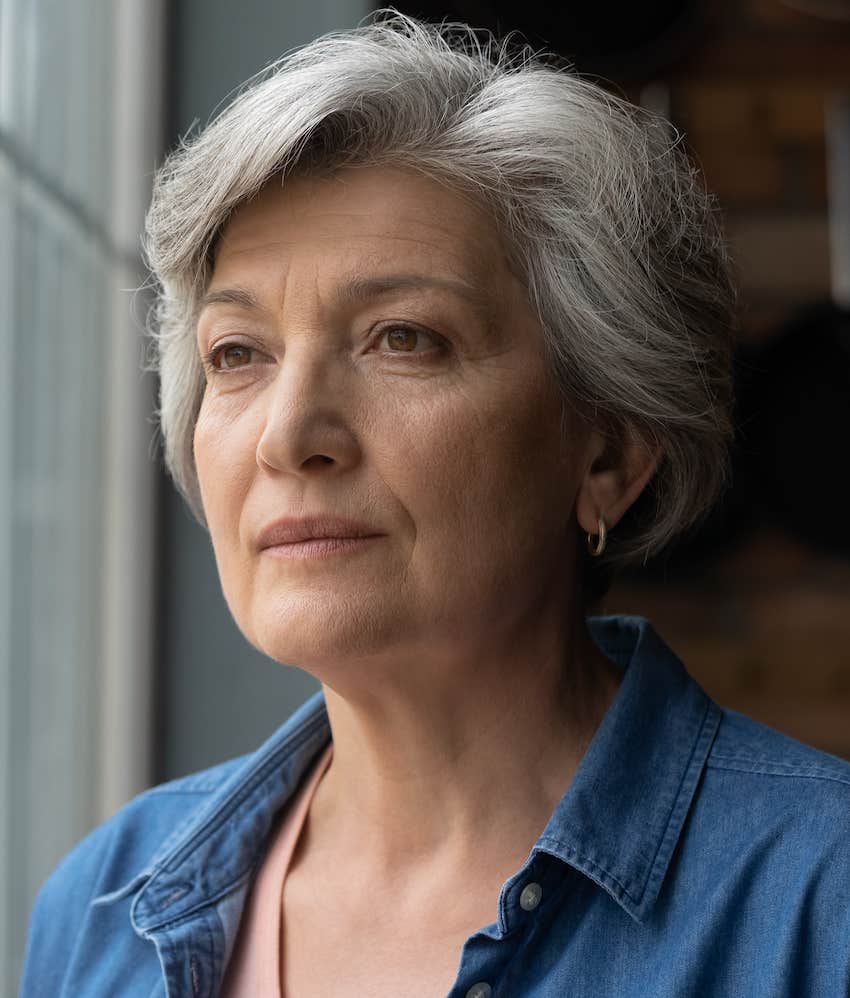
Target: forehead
{"type": "Point", "coordinates": [378, 215]}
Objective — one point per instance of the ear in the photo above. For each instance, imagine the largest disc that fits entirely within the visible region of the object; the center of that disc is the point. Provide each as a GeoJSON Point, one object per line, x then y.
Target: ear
{"type": "Point", "coordinates": [615, 474]}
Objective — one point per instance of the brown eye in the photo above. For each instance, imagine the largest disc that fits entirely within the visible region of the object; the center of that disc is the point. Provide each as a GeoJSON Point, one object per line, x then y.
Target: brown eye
{"type": "Point", "coordinates": [231, 355]}
{"type": "Point", "coordinates": [406, 339]}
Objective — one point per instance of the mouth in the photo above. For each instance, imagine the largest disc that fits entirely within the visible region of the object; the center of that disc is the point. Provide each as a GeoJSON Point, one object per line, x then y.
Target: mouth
{"type": "Point", "coordinates": [319, 547]}
{"type": "Point", "coordinates": [314, 536]}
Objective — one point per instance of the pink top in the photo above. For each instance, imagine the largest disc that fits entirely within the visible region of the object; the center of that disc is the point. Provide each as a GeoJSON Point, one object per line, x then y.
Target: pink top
{"type": "Point", "coordinates": [254, 968]}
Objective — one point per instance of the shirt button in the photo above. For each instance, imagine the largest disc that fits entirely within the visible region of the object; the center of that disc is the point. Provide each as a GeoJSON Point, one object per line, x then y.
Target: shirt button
{"type": "Point", "coordinates": [480, 990]}
{"type": "Point", "coordinates": [530, 897]}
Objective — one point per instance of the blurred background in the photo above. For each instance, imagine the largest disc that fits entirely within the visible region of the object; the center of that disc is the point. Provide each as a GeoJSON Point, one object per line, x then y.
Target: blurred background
{"type": "Point", "coordinates": [119, 663]}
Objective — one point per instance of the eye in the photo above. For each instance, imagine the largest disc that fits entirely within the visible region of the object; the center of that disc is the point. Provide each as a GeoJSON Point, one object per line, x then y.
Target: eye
{"type": "Point", "coordinates": [233, 356]}
{"type": "Point", "coordinates": [401, 338]}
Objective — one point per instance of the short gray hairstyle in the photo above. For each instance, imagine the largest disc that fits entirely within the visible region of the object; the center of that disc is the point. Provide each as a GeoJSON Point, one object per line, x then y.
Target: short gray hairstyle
{"type": "Point", "coordinates": [603, 217]}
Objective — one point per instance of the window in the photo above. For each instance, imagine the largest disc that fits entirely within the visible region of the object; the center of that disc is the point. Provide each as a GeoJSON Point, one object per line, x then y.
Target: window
{"type": "Point", "coordinates": [79, 124]}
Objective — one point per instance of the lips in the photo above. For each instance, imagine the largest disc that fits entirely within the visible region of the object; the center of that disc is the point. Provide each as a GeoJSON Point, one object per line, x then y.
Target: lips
{"type": "Point", "coordinates": [293, 530]}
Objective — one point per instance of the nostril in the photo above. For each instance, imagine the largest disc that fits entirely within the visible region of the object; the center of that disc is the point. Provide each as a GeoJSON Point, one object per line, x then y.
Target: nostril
{"type": "Point", "coordinates": [319, 459]}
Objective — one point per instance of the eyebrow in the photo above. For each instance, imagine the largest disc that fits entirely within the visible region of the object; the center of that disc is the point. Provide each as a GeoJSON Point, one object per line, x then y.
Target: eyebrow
{"type": "Point", "coordinates": [360, 289]}
{"type": "Point", "coordinates": [231, 296]}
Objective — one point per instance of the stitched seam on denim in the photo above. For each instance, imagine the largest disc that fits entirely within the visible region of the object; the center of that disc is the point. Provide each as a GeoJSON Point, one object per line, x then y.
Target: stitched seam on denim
{"type": "Point", "coordinates": [531, 933]}
{"type": "Point", "coordinates": [203, 781]}
{"type": "Point", "coordinates": [293, 743]}
{"type": "Point", "coordinates": [187, 916]}
{"type": "Point", "coordinates": [166, 859]}
{"type": "Point", "coordinates": [600, 871]}
{"type": "Point", "coordinates": [544, 878]}
{"type": "Point", "coordinates": [89, 905]}
{"type": "Point", "coordinates": [213, 949]}
{"type": "Point", "coordinates": [193, 967]}
{"type": "Point", "coordinates": [756, 768]}
{"type": "Point", "coordinates": [240, 793]}
{"type": "Point", "coordinates": [547, 881]}
{"type": "Point", "coordinates": [704, 734]}
{"type": "Point", "coordinates": [606, 873]}
{"type": "Point", "coordinates": [174, 836]}
{"type": "Point", "coordinates": [162, 792]}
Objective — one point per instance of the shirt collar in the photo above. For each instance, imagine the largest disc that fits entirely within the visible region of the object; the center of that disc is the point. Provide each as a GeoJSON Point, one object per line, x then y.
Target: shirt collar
{"type": "Point", "coordinates": [618, 822]}
{"type": "Point", "coordinates": [622, 815]}
{"type": "Point", "coordinates": [219, 844]}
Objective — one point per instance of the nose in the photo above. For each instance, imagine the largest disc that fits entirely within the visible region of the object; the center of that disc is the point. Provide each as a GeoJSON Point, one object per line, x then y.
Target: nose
{"type": "Point", "coordinates": [309, 420]}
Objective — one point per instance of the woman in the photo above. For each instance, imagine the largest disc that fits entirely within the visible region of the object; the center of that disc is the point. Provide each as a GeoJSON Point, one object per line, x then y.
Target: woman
{"type": "Point", "coordinates": [444, 339]}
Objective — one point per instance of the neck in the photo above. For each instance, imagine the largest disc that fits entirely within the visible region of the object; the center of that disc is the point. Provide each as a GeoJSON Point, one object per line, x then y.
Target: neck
{"type": "Point", "coordinates": [454, 757]}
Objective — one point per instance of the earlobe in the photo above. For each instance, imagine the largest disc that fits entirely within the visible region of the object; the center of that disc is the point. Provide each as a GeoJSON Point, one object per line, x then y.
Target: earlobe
{"type": "Point", "coordinates": [616, 476]}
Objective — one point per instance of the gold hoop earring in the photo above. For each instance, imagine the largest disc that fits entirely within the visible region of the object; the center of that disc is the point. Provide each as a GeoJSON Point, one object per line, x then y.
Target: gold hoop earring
{"type": "Point", "coordinates": [598, 546]}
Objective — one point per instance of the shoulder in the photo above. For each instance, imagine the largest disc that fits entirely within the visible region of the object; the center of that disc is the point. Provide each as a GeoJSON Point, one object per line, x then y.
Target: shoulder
{"type": "Point", "coordinates": [797, 793]}
{"type": "Point", "coordinates": [761, 873]}
{"type": "Point", "coordinates": [762, 757]}
{"type": "Point", "coordinates": [113, 859]}
{"type": "Point", "coordinates": [92, 893]}
{"type": "Point", "coordinates": [782, 782]}
{"type": "Point", "coordinates": [779, 811]}
{"type": "Point", "coordinates": [123, 847]}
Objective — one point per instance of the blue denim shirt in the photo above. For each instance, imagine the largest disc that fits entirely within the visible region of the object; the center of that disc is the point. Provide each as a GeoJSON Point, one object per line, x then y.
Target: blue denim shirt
{"type": "Point", "coordinates": [695, 853]}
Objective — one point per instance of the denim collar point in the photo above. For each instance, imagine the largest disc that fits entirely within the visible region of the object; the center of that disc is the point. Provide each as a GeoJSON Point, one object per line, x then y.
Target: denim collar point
{"type": "Point", "coordinates": [217, 849]}
{"type": "Point", "coordinates": [622, 815]}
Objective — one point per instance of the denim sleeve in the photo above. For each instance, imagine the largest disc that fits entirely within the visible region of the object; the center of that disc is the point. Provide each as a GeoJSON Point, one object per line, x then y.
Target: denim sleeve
{"type": "Point", "coordinates": [827, 947]}
{"type": "Point", "coordinates": [76, 948]}
{"type": "Point", "coordinates": [60, 913]}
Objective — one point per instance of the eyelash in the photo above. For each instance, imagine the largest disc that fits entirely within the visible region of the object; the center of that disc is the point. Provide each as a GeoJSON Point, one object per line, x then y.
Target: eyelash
{"type": "Point", "coordinates": [440, 344]}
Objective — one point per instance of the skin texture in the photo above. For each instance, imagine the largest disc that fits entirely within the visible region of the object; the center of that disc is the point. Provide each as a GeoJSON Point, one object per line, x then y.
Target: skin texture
{"type": "Point", "coordinates": [462, 688]}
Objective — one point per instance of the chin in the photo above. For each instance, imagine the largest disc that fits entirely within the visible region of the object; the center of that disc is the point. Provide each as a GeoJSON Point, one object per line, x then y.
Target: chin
{"type": "Point", "coordinates": [319, 637]}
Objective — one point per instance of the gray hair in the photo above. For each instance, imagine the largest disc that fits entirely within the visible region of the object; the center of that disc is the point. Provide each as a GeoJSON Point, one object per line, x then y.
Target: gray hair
{"type": "Point", "coordinates": [602, 215]}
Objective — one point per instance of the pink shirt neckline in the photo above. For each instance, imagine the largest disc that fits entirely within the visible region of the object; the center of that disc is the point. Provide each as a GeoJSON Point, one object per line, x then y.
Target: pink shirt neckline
{"type": "Point", "coordinates": [254, 967]}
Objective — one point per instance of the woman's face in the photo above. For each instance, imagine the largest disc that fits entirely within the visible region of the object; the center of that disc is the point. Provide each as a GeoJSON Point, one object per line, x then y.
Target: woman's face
{"type": "Point", "coordinates": [374, 358]}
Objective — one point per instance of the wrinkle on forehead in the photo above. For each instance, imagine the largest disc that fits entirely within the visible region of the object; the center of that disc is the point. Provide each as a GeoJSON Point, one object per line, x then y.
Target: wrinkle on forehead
{"type": "Point", "coordinates": [396, 202]}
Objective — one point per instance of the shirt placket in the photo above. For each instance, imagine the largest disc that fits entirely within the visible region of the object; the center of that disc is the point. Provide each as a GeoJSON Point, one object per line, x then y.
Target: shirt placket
{"type": "Point", "coordinates": [191, 955]}
{"type": "Point", "coordinates": [487, 958]}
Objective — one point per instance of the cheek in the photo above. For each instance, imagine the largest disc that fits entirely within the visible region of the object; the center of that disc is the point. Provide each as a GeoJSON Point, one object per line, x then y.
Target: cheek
{"type": "Point", "coordinates": [224, 451]}
{"type": "Point", "coordinates": [223, 477]}
{"type": "Point", "coordinates": [471, 466]}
